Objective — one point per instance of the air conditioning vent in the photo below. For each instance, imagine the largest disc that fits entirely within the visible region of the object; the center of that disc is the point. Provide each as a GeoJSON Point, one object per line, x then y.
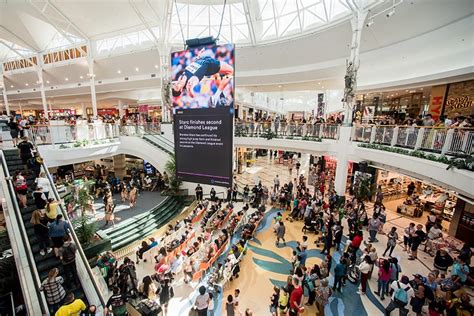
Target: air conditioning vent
{"type": "Point", "coordinates": [153, 75]}
{"type": "Point", "coordinates": [79, 84]}
{"type": "Point", "coordinates": [34, 89]}
{"type": "Point", "coordinates": [126, 78]}
{"type": "Point", "coordinates": [99, 82]}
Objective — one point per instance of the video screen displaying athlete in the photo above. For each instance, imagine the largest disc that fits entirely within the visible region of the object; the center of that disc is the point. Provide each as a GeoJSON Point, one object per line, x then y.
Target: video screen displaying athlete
{"type": "Point", "coordinates": [203, 77]}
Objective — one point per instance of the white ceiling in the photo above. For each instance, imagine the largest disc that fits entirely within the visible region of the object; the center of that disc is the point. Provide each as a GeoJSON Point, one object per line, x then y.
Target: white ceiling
{"type": "Point", "coordinates": [393, 50]}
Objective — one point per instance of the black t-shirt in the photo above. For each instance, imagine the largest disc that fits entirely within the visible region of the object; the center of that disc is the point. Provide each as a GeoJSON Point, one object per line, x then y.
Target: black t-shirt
{"type": "Point", "coordinates": [419, 237]}
{"type": "Point", "coordinates": [116, 301]}
{"type": "Point", "coordinates": [25, 148]}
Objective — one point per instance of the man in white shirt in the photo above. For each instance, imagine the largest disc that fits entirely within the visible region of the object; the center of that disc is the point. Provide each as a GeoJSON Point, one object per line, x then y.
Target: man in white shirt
{"type": "Point", "coordinates": [435, 232]}
{"type": "Point", "coordinates": [404, 284]}
{"type": "Point", "coordinates": [276, 183]}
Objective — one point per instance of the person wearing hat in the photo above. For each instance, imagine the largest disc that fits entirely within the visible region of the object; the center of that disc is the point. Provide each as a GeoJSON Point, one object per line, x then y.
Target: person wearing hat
{"type": "Point", "coordinates": [71, 306]}
{"type": "Point", "coordinates": [403, 284]}
{"type": "Point", "coordinates": [442, 260]}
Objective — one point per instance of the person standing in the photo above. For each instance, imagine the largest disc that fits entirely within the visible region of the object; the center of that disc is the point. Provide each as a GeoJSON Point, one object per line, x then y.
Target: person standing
{"type": "Point", "coordinates": [246, 193]}
{"type": "Point", "coordinates": [133, 196]}
{"type": "Point", "coordinates": [280, 233]}
{"type": "Point", "coordinates": [53, 289]}
{"type": "Point", "coordinates": [71, 306]}
{"type": "Point", "coordinates": [198, 192]}
{"type": "Point", "coordinates": [339, 273]}
{"type": "Point", "coordinates": [26, 150]}
{"type": "Point", "coordinates": [385, 272]}
{"type": "Point", "coordinates": [117, 303]}
{"type": "Point", "coordinates": [109, 209]}
{"type": "Point", "coordinates": [296, 298]}
{"type": "Point", "coordinates": [40, 198]}
{"type": "Point", "coordinates": [392, 241]}
{"type": "Point", "coordinates": [14, 129]}
{"type": "Point", "coordinates": [365, 267]}
{"type": "Point", "coordinates": [213, 194]}
{"type": "Point", "coordinates": [202, 301]}
{"type": "Point", "coordinates": [290, 166]}
{"type": "Point", "coordinates": [298, 166]}
{"type": "Point", "coordinates": [235, 189]}
{"type": "Point", "coordinates": [417, 238]}
{"type": "Point", "coordinates": [57, 230]}
{"type": "Point", "coordinates": [166, 292]}
{"type": "Point", "coordinates": [21, 189]}
{"type": "Point", "coordinates": [40, 227]}
{"type": "Point", "coordinates": [67, 255]}
{"type": "Point", "coordinates": [43, 182]}
{"type": "Point", "coordinates": [323, 293]}
{"type": "Point", "coordinates": [407, 239]}
{"type": "Point", "coordinates": [373, 228]}
{"type": "Point", "coordinates": [402, 295]}
{"type": "Point", "coordinates": [276, 183]}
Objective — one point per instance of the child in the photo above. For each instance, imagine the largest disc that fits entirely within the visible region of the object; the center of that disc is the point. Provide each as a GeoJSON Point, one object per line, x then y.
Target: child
{"type": "Point", "coordinates": [283, 301]}
{"type": "Point", "coordinates": [236, 297]}
{"type": "Point", "coordinates": [210, 304]}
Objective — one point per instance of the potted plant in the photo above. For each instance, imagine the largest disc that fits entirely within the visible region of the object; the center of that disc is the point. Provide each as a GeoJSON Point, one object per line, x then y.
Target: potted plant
{"type": "Point", "coordinates": [174, 182]}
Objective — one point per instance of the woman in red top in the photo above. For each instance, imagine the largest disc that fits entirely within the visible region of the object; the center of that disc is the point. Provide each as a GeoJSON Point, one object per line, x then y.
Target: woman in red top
{"type": "Point", "coordinates": [385, 271]}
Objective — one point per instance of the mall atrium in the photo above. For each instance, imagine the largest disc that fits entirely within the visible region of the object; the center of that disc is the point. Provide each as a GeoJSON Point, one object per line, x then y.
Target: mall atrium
{"type": "Point", "coordinates": [237, 157]}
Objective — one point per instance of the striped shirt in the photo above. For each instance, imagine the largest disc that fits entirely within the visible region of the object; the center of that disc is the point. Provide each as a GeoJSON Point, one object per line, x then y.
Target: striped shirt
{"type": "Point", "coordinates": [54, 290]}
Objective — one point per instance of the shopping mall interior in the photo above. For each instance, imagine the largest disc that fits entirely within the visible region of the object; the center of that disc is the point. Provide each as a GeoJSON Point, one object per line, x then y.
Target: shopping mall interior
{"type": "Point", "coordinates": [237, 157]}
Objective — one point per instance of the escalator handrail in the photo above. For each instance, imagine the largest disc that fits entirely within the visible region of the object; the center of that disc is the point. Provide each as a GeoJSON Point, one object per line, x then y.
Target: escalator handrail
{"type": "Point", "coordinates": [24, 237]}
{"type": "Point", "coordinates": [159, 142]}
{"type": "Point", "coordinates": [74, 236]}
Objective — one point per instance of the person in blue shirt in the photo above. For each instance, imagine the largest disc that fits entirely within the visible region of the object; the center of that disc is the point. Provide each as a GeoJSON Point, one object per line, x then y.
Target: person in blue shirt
{"type": "Point", "coordinates": [303, 256]}
{"type": "Point", "coordinates": [339, 272]}
{"type": "Point", "coordinates": [460, 270]}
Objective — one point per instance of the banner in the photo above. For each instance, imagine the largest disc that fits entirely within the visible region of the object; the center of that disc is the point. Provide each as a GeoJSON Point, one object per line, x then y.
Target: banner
{"type": "Point", "coordinates": [438, 94]}
{"type": "Point", "coordinates": [321, 105]}
{"type": "Point", "coordinates": [203, 111]}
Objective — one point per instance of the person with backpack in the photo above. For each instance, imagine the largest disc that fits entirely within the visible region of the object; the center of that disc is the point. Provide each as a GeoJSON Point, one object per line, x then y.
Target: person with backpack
{"type": "Point", "coordinates": [67, 255]}
{"type": "Point", "coordinates": [402, 294]}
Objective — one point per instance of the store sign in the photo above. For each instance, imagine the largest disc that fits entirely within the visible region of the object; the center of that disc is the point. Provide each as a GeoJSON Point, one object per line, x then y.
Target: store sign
{"type": "Point", "coordinates": [438, 95]}
{"type": "Point", "coordinates": [459, 102]}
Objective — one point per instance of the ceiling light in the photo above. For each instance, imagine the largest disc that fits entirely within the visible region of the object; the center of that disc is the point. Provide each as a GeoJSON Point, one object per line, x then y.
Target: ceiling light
{"type": "Point", "coordinates": [279, 86]}
{"type": "Point", "coordinates": [156, 66]}
{"type": "Point", "coordinates": [81, 77]}
{"type": "Point", "coordinates": [26, 84]}
{"type": "Point", "coordinates": [67, 79]}
{"type": "Point", "coordinates": [119, 71]}
{"type": "Point", "coordinates": [136, 69]}
{"type": "Point", "coordinates": [11, 86]}
{"type": "Point", "coordinates": [47, 81]}
{"type": "Point", "coordinates": [319, 82]}
{"type": "Point", "coordinates": [38, 81]}
{"type": "Point", "coordinates": [370, 23]}
{"type": "Point", "coordinates": [322, 87]}
{"type": "Point", "coordinates": [390, 13]}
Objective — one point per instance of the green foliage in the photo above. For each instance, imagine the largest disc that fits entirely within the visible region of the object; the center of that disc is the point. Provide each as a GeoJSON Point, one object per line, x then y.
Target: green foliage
{"type": "Point", "coordinates": [174, 183]}
{"type": "Point", "coordinates": [85, 227]}
{"type": "Point", "coordinates": [268, 134]}
{"type": "Point", "coordinates": [364, 190]}
{"type": "Point", "coordinates": [462, 162]}
{"type": "Point", "coordinates": [312, 138]}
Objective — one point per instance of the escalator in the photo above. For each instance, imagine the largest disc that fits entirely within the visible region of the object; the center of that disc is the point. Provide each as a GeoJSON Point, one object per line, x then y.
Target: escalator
{"type": "Point", "coordinates": [88, 291]}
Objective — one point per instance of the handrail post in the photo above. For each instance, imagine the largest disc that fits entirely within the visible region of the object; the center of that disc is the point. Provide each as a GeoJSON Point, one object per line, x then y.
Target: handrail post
{"type": "Point", "coordinates": [447, 141]}
{"type": "Point", "coordinates": [394, 137]}
{"type": "Point", "coordinates": [372, 134]}
{"type": "Point", "coordinates": [321, 130]}
{"type": "Point", "coordinates": [419, 139]}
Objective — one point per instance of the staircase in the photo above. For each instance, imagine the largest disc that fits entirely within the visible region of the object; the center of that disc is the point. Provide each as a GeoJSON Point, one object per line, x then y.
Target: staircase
{"type": "Point", "coordinates": [140, 226]}
{"type": "Point", "coordinates": [48, 261]}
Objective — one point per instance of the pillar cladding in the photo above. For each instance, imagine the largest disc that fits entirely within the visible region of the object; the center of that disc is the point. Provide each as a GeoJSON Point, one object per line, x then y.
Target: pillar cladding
{"type": "Point", "coordinates": [340, 180]}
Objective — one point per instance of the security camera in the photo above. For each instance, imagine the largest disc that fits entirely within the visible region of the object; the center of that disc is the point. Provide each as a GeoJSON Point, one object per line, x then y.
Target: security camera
{"type": "Point", "coordinates": [390, 13]}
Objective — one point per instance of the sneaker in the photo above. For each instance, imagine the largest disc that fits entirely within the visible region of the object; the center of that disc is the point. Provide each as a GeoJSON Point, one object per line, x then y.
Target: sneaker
{"type": "Point", "coordinates": [49, 250]}
{"type": "Point", "coordinates": [42, 252]}
{"type": "Point", "coordinates": [360, 293]}
{"type": "Point", "coordinates": [377, 293]}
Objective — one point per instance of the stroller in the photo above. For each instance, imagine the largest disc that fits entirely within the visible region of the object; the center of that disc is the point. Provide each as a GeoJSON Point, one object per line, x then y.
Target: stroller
{"type": "Point", "coordinates": [310, 226]}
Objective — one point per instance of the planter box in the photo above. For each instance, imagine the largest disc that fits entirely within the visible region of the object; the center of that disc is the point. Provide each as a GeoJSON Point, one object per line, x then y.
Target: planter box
{"type": "Point", "coordinates": [97, 247]}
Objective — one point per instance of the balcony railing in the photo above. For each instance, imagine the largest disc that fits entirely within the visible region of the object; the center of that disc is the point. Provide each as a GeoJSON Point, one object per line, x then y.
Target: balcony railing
{"type": "Point", "coordinates": [450, 141]}
{"type": "Point", "coordinates": [287, 130]}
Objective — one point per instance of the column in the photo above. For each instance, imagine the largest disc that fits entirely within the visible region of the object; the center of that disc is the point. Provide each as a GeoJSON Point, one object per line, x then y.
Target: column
{"type": "Point", "coordinates": [84, 110]}
{"type": "Point", "coordinates": [350, 79]}
{"type": "Point", "coordinates": [343, 146]}
{"type": "Point", "coordinates": [120, 108]}
{"type": "Point", "coordinates": [43, 93]}
{"type": "Point", "coordinates": [5, 98]}
{"type": "Point", "coordinates": [165, 82]}
{"type": "Point", "coordinates": [90, 64]}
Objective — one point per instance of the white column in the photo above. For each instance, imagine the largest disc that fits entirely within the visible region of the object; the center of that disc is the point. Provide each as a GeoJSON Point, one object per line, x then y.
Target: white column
{"type": "Point", "coordinates": [5, 98]}
{"type": "Point", "coordinates": [120, 108]}
{"type": "Point", "coordinates": [357, 25]}
{"type": "Point", "coordinates": [90, 63]}
{"type": "Point", "coordinates": [342, 161]}
{"type": "Point", "coordinates": [39, 72]}
{"type": "Point", "coordinates": [84, 110]}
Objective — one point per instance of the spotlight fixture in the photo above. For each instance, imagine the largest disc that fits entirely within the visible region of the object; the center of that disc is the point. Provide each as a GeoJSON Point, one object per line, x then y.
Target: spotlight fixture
{"type": "Point", "coordinates": [11, 86]}
{"type": "Point", "coordinates": [47, 81]}
{"type": "Point", "coordinates": [370, 23]}
{"type": "Point", "coordinates": [81, 77]}
{"type": "Point", "coordinates": [26, 84]}
{"type": "Point", "coordinates": [67, 79]}
{"type": "Point", "coordinates": [156, 66]}
{"type": "Point", "coordinates": [390, 13]}
{"type": "Point", "coordinates": [136, 69]}
{"type": "Point", "coordinates": [119, 71]}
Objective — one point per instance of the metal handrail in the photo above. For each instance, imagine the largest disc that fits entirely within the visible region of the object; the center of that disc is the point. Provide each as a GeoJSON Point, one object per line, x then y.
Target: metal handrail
{"type": "Point", "coordinates": [406, 126]}
{"type": "Point", "coordinates": [74, 236]}
{"type": "Point", "coordinates": [24, 238]}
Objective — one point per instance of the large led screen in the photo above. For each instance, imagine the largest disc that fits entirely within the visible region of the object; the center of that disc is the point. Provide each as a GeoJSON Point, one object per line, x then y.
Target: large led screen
{"type": "Point", "coordinates": [203, 109]}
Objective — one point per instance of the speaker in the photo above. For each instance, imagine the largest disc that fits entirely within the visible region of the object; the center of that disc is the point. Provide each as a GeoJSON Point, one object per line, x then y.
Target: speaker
{"type": "Point", "coordinates": [198, 42]}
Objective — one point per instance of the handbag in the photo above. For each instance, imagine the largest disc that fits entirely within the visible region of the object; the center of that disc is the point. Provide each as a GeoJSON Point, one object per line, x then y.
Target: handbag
{"type": "Point", "coordinates": [193, 312]}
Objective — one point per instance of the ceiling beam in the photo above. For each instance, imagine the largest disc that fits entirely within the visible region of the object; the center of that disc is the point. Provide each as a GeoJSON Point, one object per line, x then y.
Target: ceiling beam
{"type": "Point", "coordinates": [68, 20]}
{"type": "Point", "coordinates": [16, 51]}
{"type": "Point", "coordinates": [144, 22]}
{"type": "Point", "coordinates": [22, 41]}
{"type": "Point", "coordinates": [248, 17]}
